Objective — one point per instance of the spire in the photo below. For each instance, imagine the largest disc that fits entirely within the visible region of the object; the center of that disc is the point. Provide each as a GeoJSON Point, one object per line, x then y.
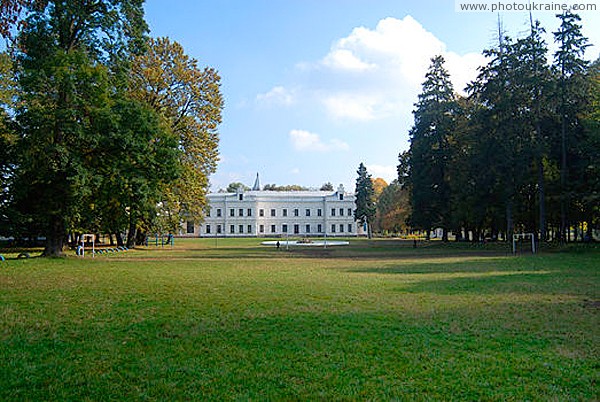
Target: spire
{"type": "Point", "coordinates": [256, 186]}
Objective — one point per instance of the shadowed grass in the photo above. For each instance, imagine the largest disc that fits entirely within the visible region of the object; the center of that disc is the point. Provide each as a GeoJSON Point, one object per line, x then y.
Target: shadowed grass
{"type": "Point", "coordinates": [234, 320]}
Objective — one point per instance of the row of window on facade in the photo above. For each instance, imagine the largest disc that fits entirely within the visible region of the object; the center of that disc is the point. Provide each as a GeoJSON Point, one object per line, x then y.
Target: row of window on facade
{"type": "Point", "coordinates": [249, 229]}
{"type": "Point", "coordinates": [284, 212]}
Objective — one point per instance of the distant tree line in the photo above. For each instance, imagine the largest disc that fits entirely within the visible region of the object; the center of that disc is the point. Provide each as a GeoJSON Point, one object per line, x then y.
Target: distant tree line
{"type": "Point", "coordinates": [519, 153]}
{"type": "Point", "coordinates": [102, 128]}
{"type": "Point", "coordinates": [237, 186]}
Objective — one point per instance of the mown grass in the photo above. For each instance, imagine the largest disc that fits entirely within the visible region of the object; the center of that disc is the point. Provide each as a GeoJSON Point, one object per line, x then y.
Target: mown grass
{"type": "Point", "coordinates": [230, 319]}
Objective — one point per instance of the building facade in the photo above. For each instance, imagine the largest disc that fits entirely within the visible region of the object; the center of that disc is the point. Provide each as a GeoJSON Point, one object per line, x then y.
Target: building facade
{"type": "Point", "coordinates": [278, 214]}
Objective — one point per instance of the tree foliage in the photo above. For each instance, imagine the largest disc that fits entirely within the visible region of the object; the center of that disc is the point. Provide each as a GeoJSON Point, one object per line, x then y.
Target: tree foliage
{"type": "Point", "coordinates": [84, 147]}
{"type": "Point", "coordinates": [326, 187]}
{"type": "Point", "coordinates": [365, 199]}
{"type": "Point", "coordinates": [393, 209]}
{"type": "Point", "coordinates": [189, 100]}
{"type": "Point", "coordinates": [519, 153]}
{"type": "Point", "coordinates": [430, 149]}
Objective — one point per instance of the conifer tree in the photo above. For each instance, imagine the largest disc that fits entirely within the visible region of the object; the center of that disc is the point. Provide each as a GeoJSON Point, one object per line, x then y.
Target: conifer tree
{"type": "Point", "coordinates": [570, 66]}
{"type": "Point", "coordinates": [430, 151]}
{"type": "Point", "coordinates": [365, 205]}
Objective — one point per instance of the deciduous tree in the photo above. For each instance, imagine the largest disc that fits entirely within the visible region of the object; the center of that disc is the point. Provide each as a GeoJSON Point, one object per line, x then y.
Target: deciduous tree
{"type": "Point", "coordinates": [64, 49]}
{"type": "Point", "coordinates": [189, 100]}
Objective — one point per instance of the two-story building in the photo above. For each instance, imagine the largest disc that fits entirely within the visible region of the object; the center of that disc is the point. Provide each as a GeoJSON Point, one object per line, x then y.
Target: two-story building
{"type": "Point", "coordinates": [258, 213]}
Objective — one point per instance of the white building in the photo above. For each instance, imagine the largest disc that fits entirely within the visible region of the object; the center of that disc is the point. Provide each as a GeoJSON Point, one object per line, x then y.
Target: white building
{"type": "Point", "coordinates": [258, 213]}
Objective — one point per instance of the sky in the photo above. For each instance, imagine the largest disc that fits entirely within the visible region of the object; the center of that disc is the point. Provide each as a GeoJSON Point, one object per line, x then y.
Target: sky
{"type": "Point", "coordinates": [313, 88]}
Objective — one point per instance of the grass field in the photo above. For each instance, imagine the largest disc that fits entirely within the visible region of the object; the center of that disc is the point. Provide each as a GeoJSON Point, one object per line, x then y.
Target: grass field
{"type": "Point", "coordinates": [231, 320]}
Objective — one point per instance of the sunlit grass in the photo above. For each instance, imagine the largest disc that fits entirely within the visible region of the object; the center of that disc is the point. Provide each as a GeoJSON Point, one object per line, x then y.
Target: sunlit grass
{"type": "Point", "coordinates": [234, 320]}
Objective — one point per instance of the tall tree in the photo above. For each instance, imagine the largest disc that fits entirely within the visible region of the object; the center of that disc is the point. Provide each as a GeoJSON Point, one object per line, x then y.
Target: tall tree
{"type": "Point", "coordinates": [429, 149]}
{"type": "Point", "coordinates": [365, 204]}
{"type": "Point", "coordinates": [7, 137]}
{"type": "Point", "coordinates": [64, 87]}
{"type": "Point", "coordinates": [569, 62]}
{"type": "Point", "coordinates": [506, 90]}
{"type": "Point", "coordinates": [589, 164]}
{"type": "Point", "coordinates": [189, 100]}
{"type": "Point", "coordinates": [538, 76]}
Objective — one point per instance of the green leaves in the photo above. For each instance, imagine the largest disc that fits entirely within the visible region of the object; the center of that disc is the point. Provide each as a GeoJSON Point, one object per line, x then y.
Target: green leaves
{"type": "Point", "coordinates": [488, 162]}
{"type": "Point", "coordinates": [189, 102]}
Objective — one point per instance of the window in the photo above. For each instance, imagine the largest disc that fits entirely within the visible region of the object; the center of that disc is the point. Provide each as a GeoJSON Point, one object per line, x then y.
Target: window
{"type": "Point", "coordinates": [349, 228]}
{"type": "Point", "coordinates": [232, 229]}
{"type": "Point", "coordinates": [218, 212]}
{"type": "Point", "coordinates": [332, 211]}
{"type": "Point", "coordinates": [208, 212]}
{"type": "Point", "coordinates": [241, 227]}
{"type": "Point", "coordinates": [241, 212]}
{"type": "Point", "coordinates": [341, 228]}
{"type": "Point", "coordinates": [284, 212]}
{"type": "Point", "coordinates": [231, 212]}
{"type": "Point", "coordinates": [273, 229]}
{"type": "Point", "coordinates": [219, 229]}
{"type": "Point", "coordinates": [207, 229]}
{"type": "Point", "coordinates": [261, 228]}
{"type": "Point", "coordinates": [349, 211]}
{"type": "Point", "coordinates": [190, 227]}
{"type": "Point", "coordinates": [296, 212]}
{"type": "Point", "coordinates": [341, 197]}
{"type": "Point", "coordinates": [341, 211]}
{"type": "Point", "coordinates": [296, 229]}
{"type": "Point", "coordinates": [319, 228]}
{"type": "Point", "coordinates": [272, 212]}
{"type": "Point", "coordinates": [241, 197]}
{"type": "Point", "coordinates": [319, 213]}
{"type": "Point", "coordinates": [307, 228]}
{"type": "Point", "coordinates": [249, 212]}
{"type": "Point", "coordinates": [249, 229]}
{"type": "Point", "coordinates": [261, 212]}
{"type": "Point", "coordinates": [284, 228]}
{"type": "Point", "coordinates": [307, 212]}
{"type": "Point", "coordinates": [332, 228]}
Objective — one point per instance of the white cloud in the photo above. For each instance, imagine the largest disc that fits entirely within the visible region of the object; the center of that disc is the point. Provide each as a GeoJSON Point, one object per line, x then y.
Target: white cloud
{"type": "Point", "coordinates": [277, 95]}
{"type": "Point", "coordinates": [387, 173]}
{"type": "Point", "coordinates": [377, 73]}
{"type": "Point", "coordinates": [351, 105]}
{"type": "Point", "coordinates": [344, 59]}
{"type": "Point", "coordinates": [303, 140]}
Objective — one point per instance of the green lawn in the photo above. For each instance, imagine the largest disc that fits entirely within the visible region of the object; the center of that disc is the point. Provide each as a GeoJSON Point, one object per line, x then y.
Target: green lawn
{"type": "Point", "coordinates": [229, 319]}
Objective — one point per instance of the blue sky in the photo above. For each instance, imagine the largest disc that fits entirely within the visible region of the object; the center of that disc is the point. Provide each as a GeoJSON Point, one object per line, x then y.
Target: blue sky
{"type": "Point", "coordinates": [313, 88]}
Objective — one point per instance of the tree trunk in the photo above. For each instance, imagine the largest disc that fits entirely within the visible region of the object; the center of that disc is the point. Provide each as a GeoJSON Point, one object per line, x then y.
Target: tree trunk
{"type": "Point", "coordinates": [55, 238]}
{"type": "Point", "coordinates": [140, 238]}
{"type": "Point", "coordinates": [119, 238]}
{"type": "Point", "coordinates": [445, 235]}
{"type": "Point", "coordinates": [132, 232]}
{"type": "Point", "coordinates": [563, 177]}
{"type": "Point", "coordinates": [542, 200]}
{"type": "Point", "coordinates": [509, 221]}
